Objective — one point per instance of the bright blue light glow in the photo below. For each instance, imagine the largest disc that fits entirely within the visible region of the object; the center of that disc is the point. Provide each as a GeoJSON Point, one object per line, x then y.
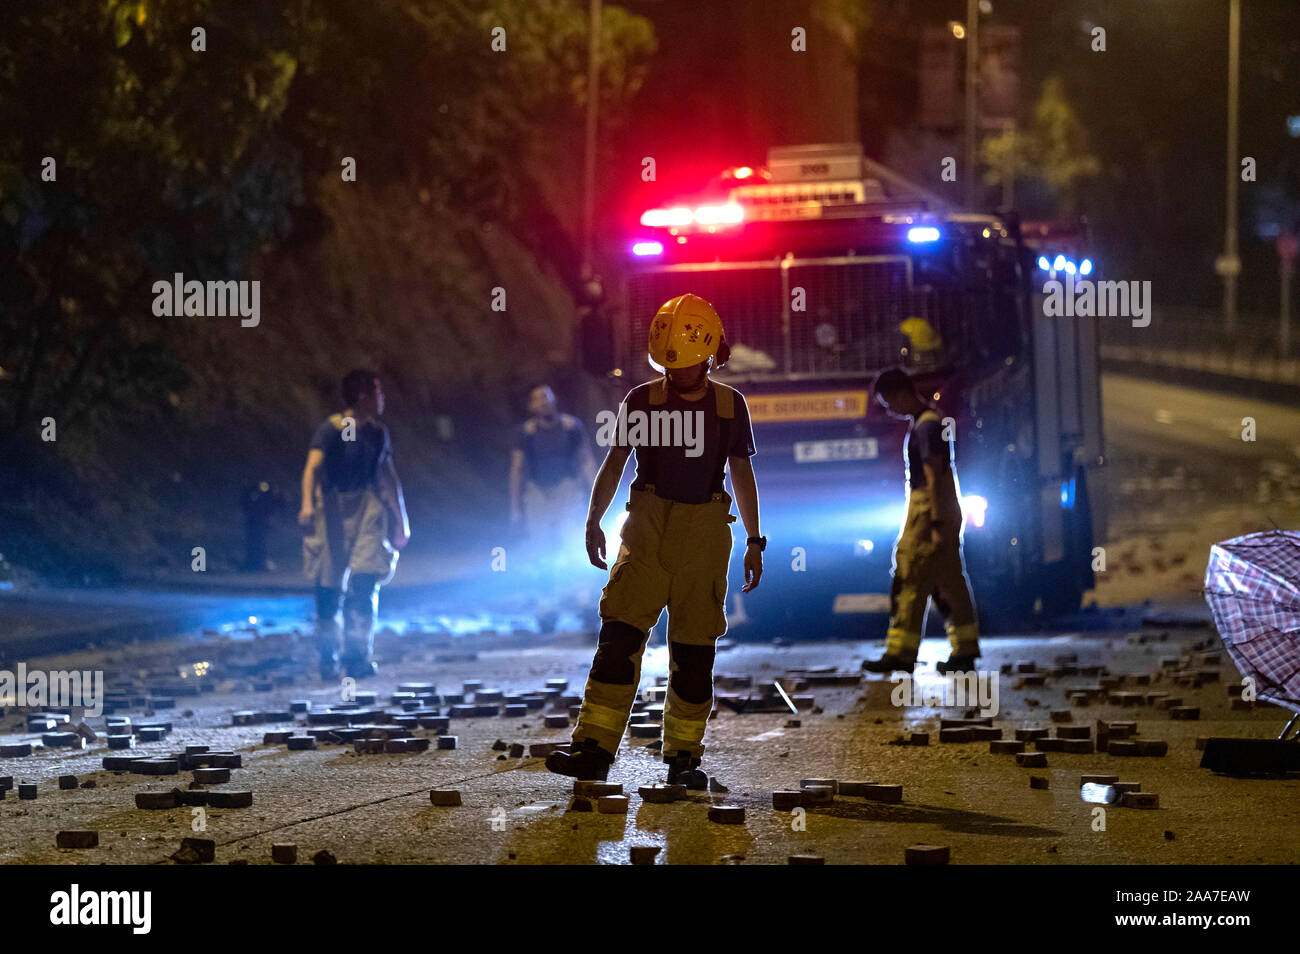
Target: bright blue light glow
{"type": "Point", "coordinates": [1044, 264]}
{"type": "Point", "coordinates": [648, 248]}
{"type": "Point", "coordinates": [1069, 268]}
{"type": "Point", "coordinates": [974, 509]}
{"type": "Point", "coordinates": [1059, 263]}
{"type": "Point", "coordinates": [1085, 267]}
{"type": "Point", "coordinates": [1067, 494]}
{"type": "Point", "coordinates": [923, 233]}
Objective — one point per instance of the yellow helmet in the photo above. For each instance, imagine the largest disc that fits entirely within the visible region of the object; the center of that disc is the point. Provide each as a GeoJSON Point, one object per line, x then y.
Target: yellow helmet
{"type": "Point", "coordinates": [687, 331]}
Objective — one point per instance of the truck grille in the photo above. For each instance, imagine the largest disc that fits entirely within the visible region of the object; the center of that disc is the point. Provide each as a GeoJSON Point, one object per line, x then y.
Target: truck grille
{"type": "Point", "coordinates": [850, 323]}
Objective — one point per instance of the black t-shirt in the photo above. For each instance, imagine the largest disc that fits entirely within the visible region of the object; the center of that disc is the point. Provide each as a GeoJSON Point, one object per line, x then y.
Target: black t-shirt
{"type": "Point", "coordinates": [351, 465]}
{"type": "Point", "coordinates": [925, 442]}
{"type": "Point", "coordinates": [682, 453]}
{"type": "Point", "coordinates": [551, 449]}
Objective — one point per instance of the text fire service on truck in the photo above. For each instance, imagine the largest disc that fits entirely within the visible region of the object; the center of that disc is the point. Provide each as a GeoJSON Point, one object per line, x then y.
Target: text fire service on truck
{"type": "Point", "coordinates": [827, 268]}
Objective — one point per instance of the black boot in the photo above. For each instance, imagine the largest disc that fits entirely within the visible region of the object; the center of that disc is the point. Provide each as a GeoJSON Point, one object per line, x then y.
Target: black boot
{"type": "Point", "coordinates": [587, 761]}
{"type": "Point", "coordinates": [889, 663]}
{"type": "Point", "coordinates": [329, 667]}
{"type": "Point", "coordinates": [957, 663]}
{"type": "Point", "coordinates": [684, 769]}
{"type": "Point", "coordinates": [358, 667]}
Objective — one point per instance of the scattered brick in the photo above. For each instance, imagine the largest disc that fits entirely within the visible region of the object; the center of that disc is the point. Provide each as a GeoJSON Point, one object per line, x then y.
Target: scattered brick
{"type": "Point", "coordinates": [1038, 781]}
{"type": "Point", "coordinates": [324, 857]}
{"type": "Point", "coordinates": [67, 782]}
{"type": "Point", "coordinates": [807, 860]}
{"type": "Point", "coordinates": [195, 851]}
{"type": "Point", "coordinates": [927, 854]}
{"type": "Point", "coordinates": [1062, 715]}
{"type": "Point", "coordinates": [579, 804]}
{"type": "Point", "coordinates": [230, 799]}
{"type": "Point", "coordinates": [446, 742]}
{"type": "Point", "coordinates": [727, 814]}
{"type": "Point", "coordinates": [211, 776]}
{"type": "Point", "coordinates": [643, 854]}
{"type": "Point", "coordinates": [1006, 746]}
{"type": "Point", "coordinates": [1185, 713]}
{"type": "Point", "coordinates": [918, 738]}
{"type": "Point", "coordinates": [1140, 800]}
{"type": "Point", "coordinates": [1032, 760]}
{"type": "Point", "coordinates": [787, 801]}
{"type": "Point", "coordinates": [121, 741]}
{"type": "Point", "coordinates": [1123, 787]}
{"type": "Point", "coordinates": [153, 801]}
{"type": "Point", "coordinates": [612, 804]}
{"type": "Point", "coordinates": [77, 839]}
{"type": "Point", "coordinates": [817, 794]}
{"type": "Point", "coordinates": [300, 743]}
{"type": "Point", "coordinates": [445, 799]}
{"type": "Point", "coordinates": [661, 794]}
{"type": "Point", "coordinates": [962, 734]}
{"type": "Point", "coordinates": [644, 730]}
{"type": "Point", "coordinates": [284, 854]}
{"type": "Point", "coordinates": [883, 793]}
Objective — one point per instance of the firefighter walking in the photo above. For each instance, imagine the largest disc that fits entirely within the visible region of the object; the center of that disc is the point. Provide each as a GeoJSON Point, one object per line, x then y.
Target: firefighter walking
{"type": "Point", "coordinates": [676, 544]}
{"type": "Point", "coordinates": [353, 506]}
{"type": "Point", "coordinates": [927, 557]}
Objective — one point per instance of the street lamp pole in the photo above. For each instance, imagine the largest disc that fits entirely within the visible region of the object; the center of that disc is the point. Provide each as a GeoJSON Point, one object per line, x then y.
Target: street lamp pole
{"type": "Point", "coordinates": [972, 99]}
{"type": "Point", "coordinates": [593, 106]}
{"type": "Point", "coordinates": [1231, 265]}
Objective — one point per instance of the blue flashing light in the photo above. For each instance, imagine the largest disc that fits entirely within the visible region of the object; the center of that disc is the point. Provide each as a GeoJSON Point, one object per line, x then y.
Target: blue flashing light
{"type": "Point", "coordinates": [1085, 267]}
{"type": "Point", "coordinates": [1067, 494]}
{"type": "Point", "coordinates": [1044, 264]}
{"type": "Point", "coordinates": [1059, 263]}
{"type": "Point", "coordinates": [922, 233]}
{"type": "Point", "coordinates": [1069, 268]}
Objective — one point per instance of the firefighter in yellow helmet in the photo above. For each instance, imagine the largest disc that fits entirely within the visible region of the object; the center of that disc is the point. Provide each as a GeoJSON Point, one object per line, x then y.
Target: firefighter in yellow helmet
{"type": "Point", "coordinates": [927, 557]}
{"type": "Point", "coordinates": [676, 544]}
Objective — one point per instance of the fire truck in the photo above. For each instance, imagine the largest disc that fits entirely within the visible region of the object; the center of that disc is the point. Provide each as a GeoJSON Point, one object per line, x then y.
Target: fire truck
{"type": "Point", "coordinates": [827, 267]}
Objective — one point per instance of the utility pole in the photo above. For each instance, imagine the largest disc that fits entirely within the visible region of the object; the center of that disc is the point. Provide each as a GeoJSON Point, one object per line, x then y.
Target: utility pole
{"type": "Point", "coordinates": [593, 107]}
{"type": "Point", "coordinates": [1231, 263]}
{"type": "Point", "coordinates": [972, 100]}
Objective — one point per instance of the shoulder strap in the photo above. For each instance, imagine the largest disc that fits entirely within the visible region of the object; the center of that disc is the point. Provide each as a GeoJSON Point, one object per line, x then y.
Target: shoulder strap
{"type": "Point", "coordinates": [725, 398]}
{"type": "Point", "coordinates": [659, 390]}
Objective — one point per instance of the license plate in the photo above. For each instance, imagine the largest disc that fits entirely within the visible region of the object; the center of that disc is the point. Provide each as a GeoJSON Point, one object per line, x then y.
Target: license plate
{"type": "Point", "coordinates": [816, 452]}
{"type": "Point", "coordinates": [861, 603]}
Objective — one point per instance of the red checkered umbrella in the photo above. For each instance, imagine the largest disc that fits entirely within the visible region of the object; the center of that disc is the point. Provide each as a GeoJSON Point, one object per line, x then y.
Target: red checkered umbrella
{"type": "Point", "coordinates": [1252, 584]}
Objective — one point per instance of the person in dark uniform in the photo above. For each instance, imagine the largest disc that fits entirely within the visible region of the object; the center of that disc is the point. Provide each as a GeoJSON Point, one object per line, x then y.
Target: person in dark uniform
{"type": "Point", "coordinates": [352, 502]}
{"type": "Point", "coordinates": [927, 557]}
{"type": "Point", "coordinates": [551, 460]}
{"type": "Point", "coordinates": [676, 543]}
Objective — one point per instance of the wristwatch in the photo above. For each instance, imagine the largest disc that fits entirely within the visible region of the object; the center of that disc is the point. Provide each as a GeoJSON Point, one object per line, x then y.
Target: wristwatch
{"type": "Point", "coordinates": [760, 542]}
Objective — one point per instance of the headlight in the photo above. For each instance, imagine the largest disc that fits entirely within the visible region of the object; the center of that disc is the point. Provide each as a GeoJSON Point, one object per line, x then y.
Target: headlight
{"type": "Point", "coordinates": [973, 510]}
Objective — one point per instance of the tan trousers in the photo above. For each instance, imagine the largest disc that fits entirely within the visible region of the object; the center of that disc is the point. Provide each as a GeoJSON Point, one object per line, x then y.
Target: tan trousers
{"type": "Point", "coordinates": [672, 556]}
{"type": "Point", "coordinates": [925, 571]}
